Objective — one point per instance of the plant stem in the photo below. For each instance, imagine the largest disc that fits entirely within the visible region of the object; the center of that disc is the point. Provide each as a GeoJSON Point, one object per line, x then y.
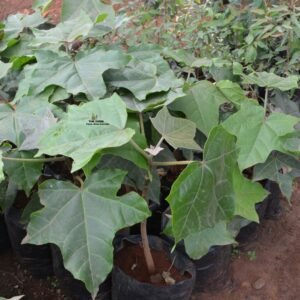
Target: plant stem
{"type": "Point", "coordinates": [147, 251]}
{"type": "Point", "coordinates": [139, 149]}
{"type": "Point", "coordinates": [34, 160]}
{"type": "Point", "coordinates": [172, 163]}
{"type": "Point", "coordinates": [79, 179]}
{"type": "Point", "coordinates": [142, 126]}
{"type": "Point", "coordinates": [266, 100]}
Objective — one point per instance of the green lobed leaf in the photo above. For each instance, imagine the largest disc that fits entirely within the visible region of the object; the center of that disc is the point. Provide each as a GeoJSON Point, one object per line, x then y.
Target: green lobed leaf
{"type": "Point", "coordinates": [211, 192]}
{"type": "Point", "coordinates": [233, 92]}
{"type": "Point", "coordinates": [178, 132]}
{"type": "Point", "coordinates": [88, 129]}
{"type": "Point", "coordinates": [136, 177]}
{"type": "Point", "coordinates": [247, 194]}
{"type": "Point", "coordinates": [23, 174]}
{"type": "Point", "coordinates": [83, 74]}
{"type": "Point", "coordinates": [24, 124]}
{"type": "Point", "coordinates": [257, 135]}
{"type": "Point", "coordinates": [144, 77]}
{"type": "Point", "coordinates": [279, 168]}
{"type": "Point", "coordinates": [202, 195]}
{"type": "Point", "coordinates": [198, 244]}
{"type": "Point", "coordinates": [201, 105]}
{"type": "Point", "coordinates": [72, 8]}
{"type": "Point", "coordinates": [283, 104]}
{"type": "Point", "coordinates": [65, 32]}
{"type": "Point", "coordinates": [272, 81]}
{"type": "Point", "coordinates": [83, 222]}
{"type": "Point", "coordinates": [33, 205]}
{"type": "Point", "coordinates": [15, 24]}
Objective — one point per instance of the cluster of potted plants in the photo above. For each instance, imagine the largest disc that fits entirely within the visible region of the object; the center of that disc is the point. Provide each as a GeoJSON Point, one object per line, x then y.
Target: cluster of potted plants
{"type": "Point", "coordinates": [96, 139]}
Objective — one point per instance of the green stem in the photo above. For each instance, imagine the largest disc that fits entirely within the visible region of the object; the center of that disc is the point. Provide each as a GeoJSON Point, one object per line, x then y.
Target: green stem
{"type": "Point", "coordinates": [142, 123]}
{"type": "Point", "coordinates": [139, 149]}
{"type": "Point", "coordinates": [172, 163]}
{"type": "Point", "coordinates": [266, 101]}
{"type": "Point", "coordinates": [34, 160]}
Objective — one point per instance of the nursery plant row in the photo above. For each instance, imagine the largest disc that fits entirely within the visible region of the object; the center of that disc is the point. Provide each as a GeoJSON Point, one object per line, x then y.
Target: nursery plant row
{"type": "Point", "coordinates": [138, 165]}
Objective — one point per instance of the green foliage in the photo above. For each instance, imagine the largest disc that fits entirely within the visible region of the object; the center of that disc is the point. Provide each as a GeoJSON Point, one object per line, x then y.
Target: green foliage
{"type": "Point", "coordinates": [86, 130]}
{"type": "Point", "coordinates": [179, 133]}
{"type": "Point", "coordinates": [258, 135]}
{"type": "Point", "coordinates": [272, 81]}
{"type": "Point", "coordinates": [117, 114]}
{"type": "Point", "coordinates": [280, 168]}
{"type": "Point", "coordinates": [198, 244]}
{"type": "Point", "coordinates": [94, 213]}
{"type": "Point", "coordinates": [23, 174]}
{"type": "Point", "coordinates": [4, 68]}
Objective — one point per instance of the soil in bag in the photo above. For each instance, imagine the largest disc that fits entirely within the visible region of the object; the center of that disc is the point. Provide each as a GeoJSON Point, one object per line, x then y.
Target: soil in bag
{"type": "Point", "coordinates": [173, 278]}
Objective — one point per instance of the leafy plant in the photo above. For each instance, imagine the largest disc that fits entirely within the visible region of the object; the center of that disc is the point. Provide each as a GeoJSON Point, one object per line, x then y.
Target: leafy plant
{"type": "Point", "coordinates": [116, 121]}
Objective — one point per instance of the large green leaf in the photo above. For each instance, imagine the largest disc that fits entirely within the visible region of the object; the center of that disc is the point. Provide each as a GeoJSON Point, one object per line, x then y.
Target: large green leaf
{"type": "Point", "coordinates": [23, 174]}
{"type": "Point", "coordinates": [24, 124]}
{"type": "Point", "coordinates": [202, 195]}
{"type": "Point", "coordinates": [284, 104]}
{"type": "Point", "coordinates": [233, 92]}
{"type": "Point", "coordinates": [154, 100]}
{"type": "Point", "coordinates": [211, 192]}
{"type": "Point", "coordinates": [143, 77]}
{"type": "Point", "coordinates": [257, 135]}
{"type": "Point", "coordinates": [136, 177]}
{"type": "Point", "coordinates": [83, 222]}
{"type": "Point", "coordinates": [15, 24]}
{"type": "Point", "coordinates": [247, 194]}
{"type": "Point", "coordinates": [201, 105]}
{"type": "Point", "coordinates": [83, 74]}
{"type": "Point", "coordinates": [279, 167]}
{"type": "Point", "coordinates": [88, 129]}
{"type": "Point", "coordinates": [178, 132]}
{"type": "Point", "coordinates": [94, 8]}
{"type": "Point", "coordinates": [272, 81]}
{"type": "Point", "coordinates": [65, 32]}
{"type": "Point", "coordinates": [4, 68]}
{"type": "Point", "coordinates": [198, 244]}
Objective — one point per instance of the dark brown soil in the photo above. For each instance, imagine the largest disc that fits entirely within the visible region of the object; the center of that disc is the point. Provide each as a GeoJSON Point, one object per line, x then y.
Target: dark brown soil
{"type": "Point", "coordinates": [14, 280]}
{"type": "Point", "coordinates": [268, 268]}
{"type": "Point", "coordinates": [132, 261]}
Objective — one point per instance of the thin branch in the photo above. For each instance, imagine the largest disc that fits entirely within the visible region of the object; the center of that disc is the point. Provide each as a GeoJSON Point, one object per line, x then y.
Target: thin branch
{"type": "Point", "coordinates": [79, 179]}
{"type": "Point", "coordinates": [34, 160]}
{"type": "Point", "coordinates": [142, 126]}
{"type": "Point", "coordinates": [173, 163]}
{"type": "Point", "coordinates": [139, 149]}
{"type": "Point", "coordinates": [266, 100]}
{"type": "Point", "coordinates": [147, 251]}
